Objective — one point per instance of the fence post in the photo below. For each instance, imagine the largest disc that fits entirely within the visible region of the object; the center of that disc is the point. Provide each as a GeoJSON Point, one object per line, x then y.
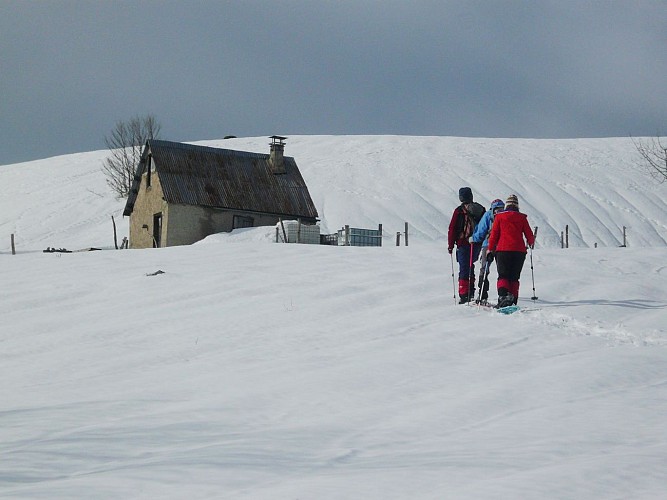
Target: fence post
{"type": "Point", "coordinates": [283, 226]}
{"type": "Point", "coordinates": [398, 239]}
{"type": "Point", "coordinates": [115, 235]}
{"type": "Point", "coordinates": [567, 236]}
{"type": "Point", "coordinates": [13, 247]}
{"type": "Point", "coordinates": [624, 240]}
{"type": "Point", "coordinates": [562, 240]}
{"type": "Point", "coordinates": [298, 230]}
{"type": "Point", "coordinates": [406, 234]}
{"type": "Point", "coordinates": [380, 231]}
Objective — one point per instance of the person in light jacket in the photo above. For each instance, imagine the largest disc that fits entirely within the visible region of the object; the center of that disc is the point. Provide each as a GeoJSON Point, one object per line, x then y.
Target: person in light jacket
{"type": "Point", "coordinates": [481, 234]}
{"type": "Point", "coordinates": [510, 237]}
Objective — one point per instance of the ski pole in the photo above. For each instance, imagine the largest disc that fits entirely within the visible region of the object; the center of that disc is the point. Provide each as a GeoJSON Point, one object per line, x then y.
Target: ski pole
{"type": "Point", "coordinates": [453, 281]}
{"type": "Point", "coordinates": [470, 277]}
{"type": "Point", "coordinates": [532, 272]}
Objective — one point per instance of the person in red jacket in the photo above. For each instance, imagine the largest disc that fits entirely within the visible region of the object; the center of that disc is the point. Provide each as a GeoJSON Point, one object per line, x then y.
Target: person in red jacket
{"type": "Point", "coordinates": [507, 243]}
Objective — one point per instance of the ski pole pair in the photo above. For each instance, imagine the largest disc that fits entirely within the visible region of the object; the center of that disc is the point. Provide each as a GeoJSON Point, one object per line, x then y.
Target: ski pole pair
{"type": "Point", "coordinates": [484, 276]}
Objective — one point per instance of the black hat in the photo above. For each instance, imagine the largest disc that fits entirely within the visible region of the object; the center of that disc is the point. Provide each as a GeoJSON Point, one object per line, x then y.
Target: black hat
{"type": "Point", "coordinates": [465, 195]}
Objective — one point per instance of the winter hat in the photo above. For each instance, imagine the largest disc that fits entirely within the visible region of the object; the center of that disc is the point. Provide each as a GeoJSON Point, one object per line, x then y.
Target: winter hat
{"type": "Point", "coordinates": [465, 195]}
{"type": "Point", "coordinates": [497, 203]}
{"type": "Point", "coordinates": [512, 200]}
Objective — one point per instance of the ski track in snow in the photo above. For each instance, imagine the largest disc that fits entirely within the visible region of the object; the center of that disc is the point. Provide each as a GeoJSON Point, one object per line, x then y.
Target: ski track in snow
{"type": "Point", "coordinates": [617, 334]}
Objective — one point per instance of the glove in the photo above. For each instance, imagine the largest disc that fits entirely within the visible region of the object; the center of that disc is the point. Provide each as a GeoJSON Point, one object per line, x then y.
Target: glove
{"type": "Point", "coordinates": [489, 257]}
{"type": "Point", "coordinates": [450, 249]}
{"type": "Point", "coordinates": [470, 240]}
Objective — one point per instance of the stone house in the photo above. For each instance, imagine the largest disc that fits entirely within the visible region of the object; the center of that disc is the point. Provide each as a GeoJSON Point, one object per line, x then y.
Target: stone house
{"type": "Point", "coordinates": [182, 193]}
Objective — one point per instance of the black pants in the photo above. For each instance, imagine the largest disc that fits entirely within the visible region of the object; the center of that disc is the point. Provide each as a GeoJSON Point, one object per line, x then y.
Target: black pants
{"type": "Point", "coordinates": [509, 266]}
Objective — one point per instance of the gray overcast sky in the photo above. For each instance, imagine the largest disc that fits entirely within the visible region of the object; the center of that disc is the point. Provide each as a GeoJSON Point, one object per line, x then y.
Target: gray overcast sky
{"type": "Point", "coordinates": [70, 70]}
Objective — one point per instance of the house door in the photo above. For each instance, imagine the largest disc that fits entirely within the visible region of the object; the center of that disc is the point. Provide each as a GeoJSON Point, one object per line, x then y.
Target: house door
{"type": "Point", "coordinates": [157, 230]}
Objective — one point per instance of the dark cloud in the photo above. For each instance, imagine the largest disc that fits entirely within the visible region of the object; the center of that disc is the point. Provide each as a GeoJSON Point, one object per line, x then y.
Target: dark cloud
{"type": "Point", "coordinates": [72, 69]}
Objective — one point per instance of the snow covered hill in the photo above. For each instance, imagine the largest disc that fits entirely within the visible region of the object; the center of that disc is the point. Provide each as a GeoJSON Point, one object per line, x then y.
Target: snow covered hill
{"type": "Point", "coordinates": [255, 370]}
{"type": "Point", "coordinates": [594, 186]}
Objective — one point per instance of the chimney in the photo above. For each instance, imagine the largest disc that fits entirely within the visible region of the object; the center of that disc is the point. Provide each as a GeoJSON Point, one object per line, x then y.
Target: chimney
{"type": "Point", "coordinates": [276, 160]}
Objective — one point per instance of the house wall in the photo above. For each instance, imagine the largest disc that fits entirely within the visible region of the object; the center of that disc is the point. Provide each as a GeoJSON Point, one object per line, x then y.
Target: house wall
{"type": "Point", "coordinates": [148, 203]}
{"type": "Point", "coordinates": [189, 223]}
{"type": "Point", "coordinates": [181, 224]}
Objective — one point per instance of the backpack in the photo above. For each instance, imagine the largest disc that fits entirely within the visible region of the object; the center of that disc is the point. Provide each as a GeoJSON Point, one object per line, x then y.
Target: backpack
{"type": "Point", "coordinates": [469, 216]}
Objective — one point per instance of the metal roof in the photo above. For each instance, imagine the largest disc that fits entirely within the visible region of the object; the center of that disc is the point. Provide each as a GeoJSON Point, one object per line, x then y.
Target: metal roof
{"type": "Point", "coordinates": [224, 178]}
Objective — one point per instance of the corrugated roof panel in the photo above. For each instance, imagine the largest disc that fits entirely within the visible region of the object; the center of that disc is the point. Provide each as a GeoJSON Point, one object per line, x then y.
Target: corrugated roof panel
{"type": "Point", "coordinates": [223, 178]}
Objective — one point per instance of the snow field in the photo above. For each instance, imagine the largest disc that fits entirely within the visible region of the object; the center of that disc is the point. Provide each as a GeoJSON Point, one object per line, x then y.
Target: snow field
{"type": "Point", "coordinates": [255, 370]}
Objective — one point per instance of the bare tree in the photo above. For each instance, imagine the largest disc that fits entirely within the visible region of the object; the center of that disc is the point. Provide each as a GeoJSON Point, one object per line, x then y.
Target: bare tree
{"type": "Point", "coordinates": [125, 143]}
{"type": "Point", "coordinates": [653, 156]}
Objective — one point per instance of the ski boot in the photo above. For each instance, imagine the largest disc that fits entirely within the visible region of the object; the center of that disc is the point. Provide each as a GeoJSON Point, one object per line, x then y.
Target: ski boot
{"type": "Point", "coordinates": [505, 300]}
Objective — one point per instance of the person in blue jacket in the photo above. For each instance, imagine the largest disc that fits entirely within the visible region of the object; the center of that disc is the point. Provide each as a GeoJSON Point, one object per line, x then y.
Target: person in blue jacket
{"type": "Point", "coordinates": [481, 234]}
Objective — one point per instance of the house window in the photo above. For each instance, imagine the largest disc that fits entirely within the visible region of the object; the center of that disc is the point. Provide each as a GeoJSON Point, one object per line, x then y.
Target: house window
{"type": "Point", "coordinates": [157, 230]}
{"type": "Point", "coordinates": [242, 221]}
